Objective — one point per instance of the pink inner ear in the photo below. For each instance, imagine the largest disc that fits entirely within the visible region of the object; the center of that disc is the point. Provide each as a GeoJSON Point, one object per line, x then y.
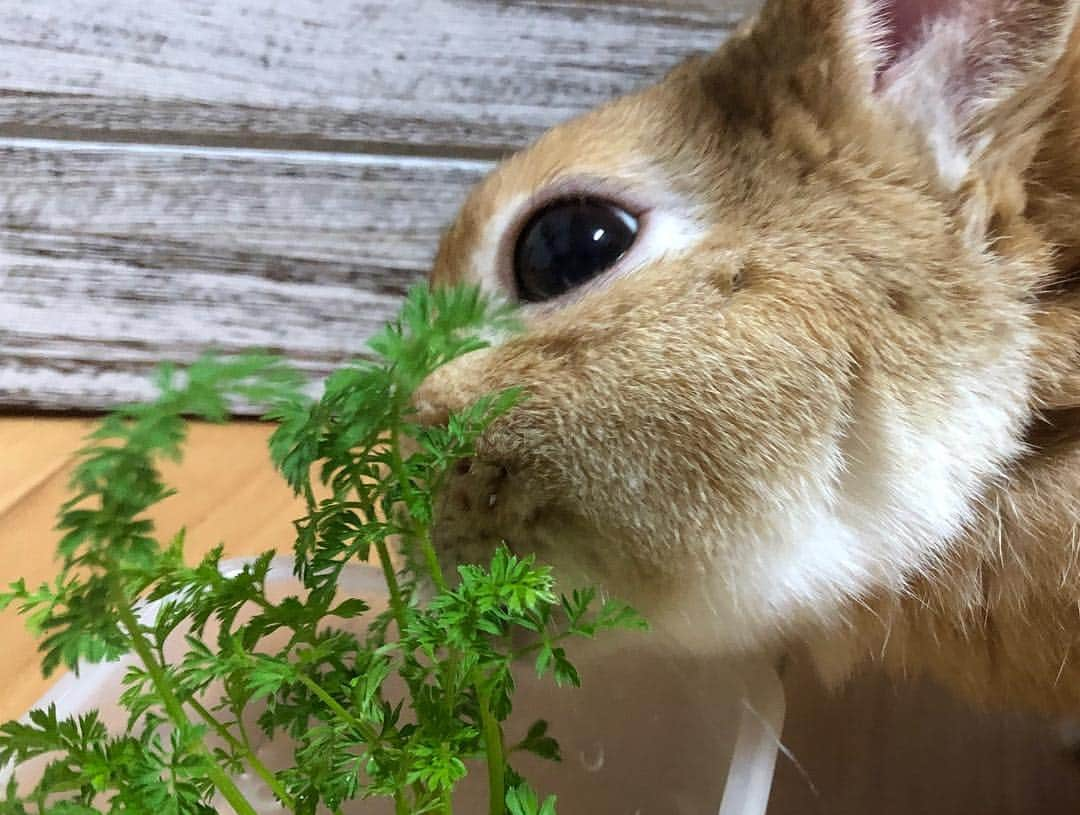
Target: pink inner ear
{"type": "Point", "coordinates": [906, 22]}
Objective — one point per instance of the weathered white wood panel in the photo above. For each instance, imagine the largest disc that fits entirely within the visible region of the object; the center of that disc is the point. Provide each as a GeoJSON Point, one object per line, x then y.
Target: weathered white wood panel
{"type": "Point", "coordinates": [469, 77]}
{"type": "Point", "coordinates": [115, 254]}
{"type": "Point", "coordinates": [115, 257]}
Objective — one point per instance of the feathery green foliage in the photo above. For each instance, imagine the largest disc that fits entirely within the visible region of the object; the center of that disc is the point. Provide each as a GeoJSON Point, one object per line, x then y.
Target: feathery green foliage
{"type": "Point", "coordinates": [291, 661]}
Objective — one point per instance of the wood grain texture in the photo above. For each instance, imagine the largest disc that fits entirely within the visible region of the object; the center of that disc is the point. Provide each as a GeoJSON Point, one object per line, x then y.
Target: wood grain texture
{"type": "Point", "coordinates": [116, 257]}
{"type": "Point", "coordinates": [121, 246]}
{"type": "Point", "coordinates": [437, 75]}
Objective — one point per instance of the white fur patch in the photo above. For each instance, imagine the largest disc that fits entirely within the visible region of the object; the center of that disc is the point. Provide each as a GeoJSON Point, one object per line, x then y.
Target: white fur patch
{"type": "Point", "coordinates": [667, 230]}
{"type": "Point", "coordinates": [884, 503]}
{"type": "Point", "coordinates": [923, 87]}
{"type": "Point", "coordinates": [486, 262]}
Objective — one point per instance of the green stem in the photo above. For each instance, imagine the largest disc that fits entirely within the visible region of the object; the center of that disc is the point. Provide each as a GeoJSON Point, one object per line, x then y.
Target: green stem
{"type": "Point", "coordinates": [362, 727]}
{"type": "Point", "coordinates": [536, 646]}
{"type": "Point", "coordinates": [397, 465]}
{"type": "Point", "coordinates": [169, 700]}
{"type": "Point", "coordinates": [432, 560]}
{"type": "Point", "coordinates": [494, 754]}
{"type": "Point", "coordinates": [244, 749]}
{"type": "Point", "coordinates": [396, 604]}
{"type": "Point", "coordinates": [309, 497]}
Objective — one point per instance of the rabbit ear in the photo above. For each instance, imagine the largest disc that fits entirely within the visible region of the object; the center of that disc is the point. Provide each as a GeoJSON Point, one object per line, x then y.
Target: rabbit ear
{"type": "Point", "coordinates": [960, 71]}
{"type": "Point", "coordinates": [973, 73]}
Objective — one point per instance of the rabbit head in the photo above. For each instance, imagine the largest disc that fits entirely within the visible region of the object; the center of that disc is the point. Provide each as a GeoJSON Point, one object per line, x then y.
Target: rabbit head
{"type": "Point", "coordinates": [781, 316]}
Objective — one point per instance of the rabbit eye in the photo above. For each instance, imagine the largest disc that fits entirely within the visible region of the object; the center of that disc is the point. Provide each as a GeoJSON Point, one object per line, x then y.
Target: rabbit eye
{"type": "Point", "coordinates": [567, 243]}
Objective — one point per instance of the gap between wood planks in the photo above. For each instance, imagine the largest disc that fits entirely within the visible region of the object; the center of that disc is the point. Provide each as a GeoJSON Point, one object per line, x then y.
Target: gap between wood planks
{"type": "Point", "coordinates": [289, 150]}
{"type": "Point", "coordinates": [445, 74]}
{"type": "Point", "coordinates": [342, 149]}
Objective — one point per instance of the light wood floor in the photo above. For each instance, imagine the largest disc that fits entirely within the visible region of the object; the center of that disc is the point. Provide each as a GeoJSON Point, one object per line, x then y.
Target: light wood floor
{"type": "Point", "coordinates": [227, 492]}
{"type": "Point", "coordinates": [869, 749]}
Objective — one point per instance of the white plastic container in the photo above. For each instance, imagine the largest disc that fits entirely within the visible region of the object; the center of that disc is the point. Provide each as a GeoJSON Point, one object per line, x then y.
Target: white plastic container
{"type": "Point", "coordinates": [646, 734]}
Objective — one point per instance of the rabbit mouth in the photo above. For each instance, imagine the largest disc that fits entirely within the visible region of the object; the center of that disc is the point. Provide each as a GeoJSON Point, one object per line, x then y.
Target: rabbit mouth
{"type": "Point", "coordinates": [484, 505]}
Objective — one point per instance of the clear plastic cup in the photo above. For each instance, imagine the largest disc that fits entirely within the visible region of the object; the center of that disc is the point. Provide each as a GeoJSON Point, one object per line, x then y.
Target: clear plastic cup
{"type": "Point", "coordinates": [648, 733]}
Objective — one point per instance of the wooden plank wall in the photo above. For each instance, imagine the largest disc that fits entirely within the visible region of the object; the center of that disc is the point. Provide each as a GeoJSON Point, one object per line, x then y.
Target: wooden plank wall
{"type": "Point", "coordinates": [184, 174]}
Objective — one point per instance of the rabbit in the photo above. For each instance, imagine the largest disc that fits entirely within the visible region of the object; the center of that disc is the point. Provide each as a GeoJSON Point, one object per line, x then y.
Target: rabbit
{"type": "Point", "coordinates": [801, 347]}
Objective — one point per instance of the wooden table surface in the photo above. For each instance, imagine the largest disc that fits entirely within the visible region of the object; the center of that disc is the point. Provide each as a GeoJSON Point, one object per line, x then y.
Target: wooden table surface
{"type": "Point", "coordinates": [228, 492]}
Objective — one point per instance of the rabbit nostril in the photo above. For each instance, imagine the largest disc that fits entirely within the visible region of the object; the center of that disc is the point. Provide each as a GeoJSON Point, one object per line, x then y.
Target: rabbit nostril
{"type": "Point", "coordinates": [463, 466]}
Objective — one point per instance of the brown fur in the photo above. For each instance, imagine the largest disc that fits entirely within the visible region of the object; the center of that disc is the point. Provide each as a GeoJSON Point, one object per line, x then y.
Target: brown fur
{"type": "Point", "coordinates": [1000, 622]}
{"type": "Point", "coordinates": [676, 412]}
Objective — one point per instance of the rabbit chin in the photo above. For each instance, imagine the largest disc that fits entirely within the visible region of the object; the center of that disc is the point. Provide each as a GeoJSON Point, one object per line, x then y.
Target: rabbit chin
{"type": "Point", "coordinates": [882, 504]}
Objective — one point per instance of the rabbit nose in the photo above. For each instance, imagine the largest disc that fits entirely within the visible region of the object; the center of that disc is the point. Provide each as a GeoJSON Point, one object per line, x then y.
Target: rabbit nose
{"type": "Point", "coordinates": [450, 389]}
{"type": "Point", "coordinates": [432, 409]}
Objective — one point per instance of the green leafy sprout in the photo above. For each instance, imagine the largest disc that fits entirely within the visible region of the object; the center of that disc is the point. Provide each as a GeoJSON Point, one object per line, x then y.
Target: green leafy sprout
{"type": "Point", "coordinates": [191, 721]}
